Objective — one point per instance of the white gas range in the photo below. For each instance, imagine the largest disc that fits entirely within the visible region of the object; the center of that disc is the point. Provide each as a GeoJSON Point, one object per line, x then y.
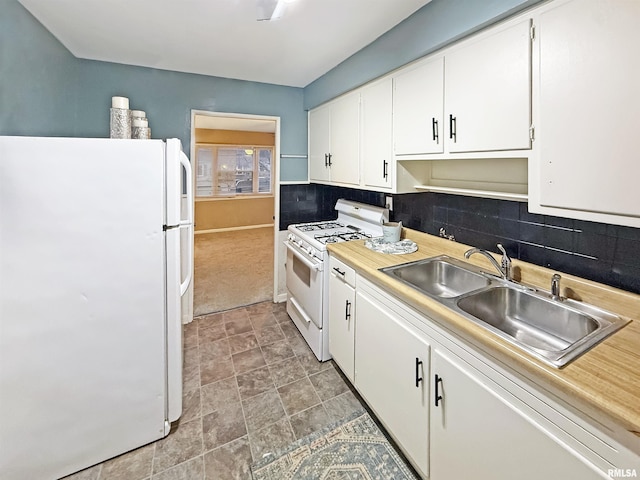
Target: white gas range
{"type": "Point", "coordinates": [307, 258]}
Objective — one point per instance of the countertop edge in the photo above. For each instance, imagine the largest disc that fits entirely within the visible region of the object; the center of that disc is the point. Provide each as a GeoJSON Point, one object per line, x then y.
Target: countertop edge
{"type": "Point", "coordinates": [607, 360]}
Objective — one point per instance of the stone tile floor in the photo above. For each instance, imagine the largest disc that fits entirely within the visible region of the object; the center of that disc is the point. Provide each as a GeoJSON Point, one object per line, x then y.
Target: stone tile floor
{"type": "Point", "coordinates": [251, 386]}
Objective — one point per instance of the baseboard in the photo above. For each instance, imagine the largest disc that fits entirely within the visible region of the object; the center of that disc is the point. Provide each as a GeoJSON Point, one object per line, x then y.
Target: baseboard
{"type": "Point", "coordinates": [281, 298]}
{"type": "Point", "coordinates": [234, 229]}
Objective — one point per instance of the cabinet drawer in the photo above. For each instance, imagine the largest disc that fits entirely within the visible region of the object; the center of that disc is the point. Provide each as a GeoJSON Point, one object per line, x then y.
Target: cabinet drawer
{"type": "Point", "coordinates": [342, 271]}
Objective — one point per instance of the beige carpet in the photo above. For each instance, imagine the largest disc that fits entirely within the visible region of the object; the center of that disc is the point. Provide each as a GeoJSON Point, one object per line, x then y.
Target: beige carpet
{"type": "Point", "coordinates": [232, 269]}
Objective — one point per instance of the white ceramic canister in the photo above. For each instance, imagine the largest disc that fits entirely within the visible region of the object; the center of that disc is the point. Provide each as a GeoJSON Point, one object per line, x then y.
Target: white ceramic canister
{"type": "Point", "coordinates": [140, 129]}
{"type": "Point", "coordinates": [138, 114]}
{"type": "Point", "coordinates": [120, 119]}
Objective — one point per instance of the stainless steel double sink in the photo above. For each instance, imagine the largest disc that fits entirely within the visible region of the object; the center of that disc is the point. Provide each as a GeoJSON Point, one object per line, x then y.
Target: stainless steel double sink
{"type": "Point", "coordinates": [555, 331]}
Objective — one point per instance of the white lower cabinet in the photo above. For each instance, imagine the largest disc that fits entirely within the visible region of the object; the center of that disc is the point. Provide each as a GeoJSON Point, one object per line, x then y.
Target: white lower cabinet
{"type": "Point", "coordinates": [480, 431]}
{"type": "Point", "coordinates": [392, 374]}
{"type": "Point", "coordinates": [342, 315]}
{"type": "Point", "coordinates": [454, 412]}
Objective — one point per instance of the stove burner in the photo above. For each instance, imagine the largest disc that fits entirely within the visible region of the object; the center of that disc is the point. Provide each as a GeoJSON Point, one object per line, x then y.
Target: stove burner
{"type": "Point", "coordinates": [310, 227]}
{"type": "Point", "coordinates": [336, 237]}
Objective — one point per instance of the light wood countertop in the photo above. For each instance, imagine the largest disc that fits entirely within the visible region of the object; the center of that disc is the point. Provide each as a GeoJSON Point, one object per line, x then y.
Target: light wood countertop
{"type": "Point", "coordinates": [602, 386]}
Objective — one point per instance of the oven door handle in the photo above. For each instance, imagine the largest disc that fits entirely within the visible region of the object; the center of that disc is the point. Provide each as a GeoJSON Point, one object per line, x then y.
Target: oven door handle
{"type": "Point", "coordinates": [304, 259]}
{"type": "Point", "coordinates": [303, 314]}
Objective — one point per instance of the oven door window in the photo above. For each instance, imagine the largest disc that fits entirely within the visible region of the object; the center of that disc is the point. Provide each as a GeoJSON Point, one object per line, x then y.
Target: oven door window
{"type": "Point", "coordinates": [302, 272]}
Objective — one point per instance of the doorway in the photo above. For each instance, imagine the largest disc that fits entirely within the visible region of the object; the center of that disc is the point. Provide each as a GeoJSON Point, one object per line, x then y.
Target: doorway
{"type": "Point", "coordinates": [236, 179]}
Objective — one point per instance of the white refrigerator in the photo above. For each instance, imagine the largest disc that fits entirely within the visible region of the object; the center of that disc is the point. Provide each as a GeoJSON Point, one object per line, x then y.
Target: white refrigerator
{"type": "Point", "coordinates": [92, 285]}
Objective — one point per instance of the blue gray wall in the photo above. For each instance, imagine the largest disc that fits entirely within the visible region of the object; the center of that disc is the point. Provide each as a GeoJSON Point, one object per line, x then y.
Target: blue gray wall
{"type": "Point", "coordinates": [38, 78]}
{"type": "Point", "coordinates": [46, 91]}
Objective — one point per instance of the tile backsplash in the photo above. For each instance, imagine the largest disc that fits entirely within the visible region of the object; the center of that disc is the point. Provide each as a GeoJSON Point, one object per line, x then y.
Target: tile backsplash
{"type": "Point", "coordinates": [608, 254]}
{"type": "Point", "coordinates": [604, 253]}
{"type": "Point", "coordinates": [313, 202]}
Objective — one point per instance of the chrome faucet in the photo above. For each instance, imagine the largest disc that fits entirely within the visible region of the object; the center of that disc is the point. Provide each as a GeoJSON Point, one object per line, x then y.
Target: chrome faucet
{"type": "Point", "coordinates": [555, 287]}
{"type": "Point", "coordinates": [504, 267]}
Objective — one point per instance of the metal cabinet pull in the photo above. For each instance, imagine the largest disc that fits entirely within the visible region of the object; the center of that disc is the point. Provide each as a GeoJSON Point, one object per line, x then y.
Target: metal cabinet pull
{"type": "Point", "coordinates": [329, 159]}
{"type": "Point", "coordinates": [385, 172]}
{"type": "Point", "coordinates": [437, 395]}
{"type": "Point", "coordinates": [418, 377]}
{"type": "Point", "coordinates": [434, 128]}
{"type": "Point", "coordinates": [347, 310]}
{"type": "Point", "coordinates": [338, 271]}
{"type": "Point", "coordinates": [452, 128]}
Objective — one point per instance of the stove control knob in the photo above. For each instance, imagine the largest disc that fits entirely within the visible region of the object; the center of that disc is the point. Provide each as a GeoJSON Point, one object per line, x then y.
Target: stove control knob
{"type": "Point", "coordinates": [290, 237]}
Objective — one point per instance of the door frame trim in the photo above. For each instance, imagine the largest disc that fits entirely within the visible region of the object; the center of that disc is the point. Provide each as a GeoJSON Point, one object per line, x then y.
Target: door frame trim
{"type": "Point", "coordinates": [276, 183]}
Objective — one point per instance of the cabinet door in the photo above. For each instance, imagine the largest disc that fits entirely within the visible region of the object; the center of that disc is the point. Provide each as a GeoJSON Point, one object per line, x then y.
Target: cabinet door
{"type": "Point", "coordinates": [589, 106]}
{"type": "Point", "coordinates": [392, 368]}
{"type": "Point", "coordinates": [345, 143]}
{"type": "Point", "coordinates": [376, 150]}
{"type": "Point", "coordinates": [342, 323]}
{"type": "Point", "coordinates": [319, 143]}
{"type": "Point", "coordinates": [417, 109]}
{"type": "Point", "coordinates": [476, 432]}
{"type": "Point", "coordinates": [488, 92]}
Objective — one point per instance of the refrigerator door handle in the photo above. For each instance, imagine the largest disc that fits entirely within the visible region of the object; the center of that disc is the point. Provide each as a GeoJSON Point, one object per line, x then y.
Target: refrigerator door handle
{"type": "Point", "coordinates": [184, 161]}
{"type": "Point", "coordinates": [188, 222]}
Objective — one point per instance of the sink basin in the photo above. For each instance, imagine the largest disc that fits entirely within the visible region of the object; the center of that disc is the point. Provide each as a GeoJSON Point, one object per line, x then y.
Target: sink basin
{"type": "Point", "coordinates": [534, 321]}
{"type": "Point", "coordinates": [439, 276]}
{"type": "Point", "coordinates": [554, 331]}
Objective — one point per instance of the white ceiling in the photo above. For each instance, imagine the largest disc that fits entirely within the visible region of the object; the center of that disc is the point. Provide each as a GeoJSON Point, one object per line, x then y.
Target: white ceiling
{"type": "Point", "coordinates": [222, 37]}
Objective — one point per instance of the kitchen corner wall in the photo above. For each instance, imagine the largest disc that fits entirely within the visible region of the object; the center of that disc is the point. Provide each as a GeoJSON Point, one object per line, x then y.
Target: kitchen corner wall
{"type": "Point", "coordinates": [46, 91]}
{"type": "Point", "coordinates": [604, 253]}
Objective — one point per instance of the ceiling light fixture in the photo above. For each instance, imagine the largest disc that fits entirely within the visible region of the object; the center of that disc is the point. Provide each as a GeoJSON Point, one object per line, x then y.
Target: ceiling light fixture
{"type": "Point", "coordinates": [279, 10]}
{"type": "Point", "coordinates": [271, 9]}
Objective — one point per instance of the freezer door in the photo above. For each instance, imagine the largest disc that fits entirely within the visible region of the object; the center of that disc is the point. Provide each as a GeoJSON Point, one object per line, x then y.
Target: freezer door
{"type": "Point", "coordinates": [179, 247]}
{"type": "Point", "coordinates": [82, 302]}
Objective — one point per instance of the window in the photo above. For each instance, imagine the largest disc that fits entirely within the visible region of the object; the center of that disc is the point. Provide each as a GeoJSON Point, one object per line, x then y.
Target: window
{"type": "Point", "coordinates": [223, 170]}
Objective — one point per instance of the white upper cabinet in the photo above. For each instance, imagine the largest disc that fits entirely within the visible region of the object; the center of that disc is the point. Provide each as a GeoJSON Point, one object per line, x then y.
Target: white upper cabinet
{"type": "Point", "coordinates": [376, 149]}
{"type": "Point", "coordinates": [487, 91]}
{"type": "Point", "coordinates": [473, 97]}
{"type": "Point", "coordinates": [344, 159]}
{"type": "Point", "coordinates": [588, 115]}
{"type": "Point", "coordinates": [418, 98]}
{"type": "Point", "coordinates": [319, 143]}
{"type": "Point", "coordinates": [334, 141]}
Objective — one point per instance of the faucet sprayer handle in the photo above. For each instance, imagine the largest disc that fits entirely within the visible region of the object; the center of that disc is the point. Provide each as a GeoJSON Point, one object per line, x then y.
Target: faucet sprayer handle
{"type": "Point", "coordinates": [555, 287]}
{"type": "Point", "coordinates": [506, 262]}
